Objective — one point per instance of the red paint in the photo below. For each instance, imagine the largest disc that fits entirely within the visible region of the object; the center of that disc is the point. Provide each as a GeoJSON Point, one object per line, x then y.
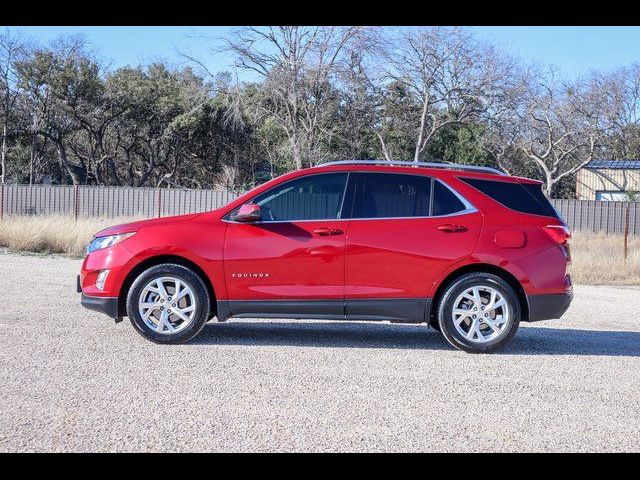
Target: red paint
{"type": "Point", "coordinates": [248, 212]}
{"type": "Point", "coordinates": [301, 264]}
{"type": "Point", "coordinates": [510, 238]}
{"type": "Point", "coordinates": [401, 258]}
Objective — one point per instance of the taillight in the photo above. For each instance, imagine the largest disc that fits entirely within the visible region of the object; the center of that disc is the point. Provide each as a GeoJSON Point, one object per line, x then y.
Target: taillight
{"type": "Point", "coordinates": [560, 234]}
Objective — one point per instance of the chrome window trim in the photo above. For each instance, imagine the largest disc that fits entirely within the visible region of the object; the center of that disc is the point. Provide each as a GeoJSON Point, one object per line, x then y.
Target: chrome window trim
{"type": "Point", "coordinates": [456, 214]}
{"type": "Point", "coordinates": [344, 195]}
{"type": "Point", "coordinates": [291, 221]}
{"type": "Point", "coordinates": [461, 212]}
{"type": "Point", "coordinates": [469, 208]}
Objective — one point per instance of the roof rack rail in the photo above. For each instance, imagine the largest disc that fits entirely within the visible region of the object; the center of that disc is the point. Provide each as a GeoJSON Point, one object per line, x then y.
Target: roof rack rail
{"type": "Point", "coordinates": [454, 166]}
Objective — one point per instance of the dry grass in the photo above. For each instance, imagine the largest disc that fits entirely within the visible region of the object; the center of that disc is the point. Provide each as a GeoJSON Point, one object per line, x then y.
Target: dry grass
{"type": "Point", "coordinates": [52, 234]}
{"type": "Point", "coordinates": [597, 258]}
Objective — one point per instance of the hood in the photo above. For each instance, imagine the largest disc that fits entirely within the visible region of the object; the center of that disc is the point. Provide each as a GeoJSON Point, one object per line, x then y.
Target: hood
{"type": "Point", "coordinates": [135, 226]}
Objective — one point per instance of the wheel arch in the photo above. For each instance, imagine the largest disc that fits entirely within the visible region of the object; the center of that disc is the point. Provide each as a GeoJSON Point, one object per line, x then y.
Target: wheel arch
{"type": "Point", "coordinates": [479, 268]}
{"type": "Point", "coordinates": [158, 260]}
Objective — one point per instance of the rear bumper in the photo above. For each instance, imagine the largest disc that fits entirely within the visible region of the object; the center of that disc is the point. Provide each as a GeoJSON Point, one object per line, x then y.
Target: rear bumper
{"type": "Point", "coordinates": [106, 305]}
{"type": "Point", "coordinates": [546, 307]}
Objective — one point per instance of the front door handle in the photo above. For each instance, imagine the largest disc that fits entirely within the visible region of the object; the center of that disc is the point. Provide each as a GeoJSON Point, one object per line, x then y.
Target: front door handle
{"type": "Point", "coordinates": [451, 228]}
{"type": "Point", "coordinates": [325, 231]}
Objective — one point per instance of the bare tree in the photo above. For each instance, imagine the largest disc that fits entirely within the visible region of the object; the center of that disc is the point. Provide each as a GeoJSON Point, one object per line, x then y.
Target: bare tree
{"type": "Point", "coordinates": [453, 78]}
{"type": "Point", "coordinates": [503, 125]}
{"type": "Point", "coordinates": [296, 64]}
{"type": "Point", "coordinates": [620, 90]}
{"type": "Point", "coordinates": [11, 48]}
{"type": "Point", "coordinates": [563, 127]}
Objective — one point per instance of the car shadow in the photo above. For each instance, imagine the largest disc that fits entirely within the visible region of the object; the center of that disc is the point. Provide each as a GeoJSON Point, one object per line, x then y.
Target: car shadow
{"type": "Point", "coordinates": [530, 340]}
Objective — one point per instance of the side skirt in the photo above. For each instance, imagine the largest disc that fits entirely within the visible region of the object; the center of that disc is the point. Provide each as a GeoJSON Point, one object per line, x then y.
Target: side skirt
{"type": "Point", "coordinates": [405, 310]}
{"type": "Point", "coordinates": [402, 310]}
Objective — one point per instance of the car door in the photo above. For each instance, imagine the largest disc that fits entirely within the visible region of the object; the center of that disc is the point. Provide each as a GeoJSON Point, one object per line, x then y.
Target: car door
{"type": "Point", "coordinates": [405, 230]}
{"type": "Point", "coordinates": [291, 262]}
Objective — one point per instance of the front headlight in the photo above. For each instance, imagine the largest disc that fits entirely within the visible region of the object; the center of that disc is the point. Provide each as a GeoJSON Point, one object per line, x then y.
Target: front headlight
{"type": "Point", "coordinates": [108, 241]}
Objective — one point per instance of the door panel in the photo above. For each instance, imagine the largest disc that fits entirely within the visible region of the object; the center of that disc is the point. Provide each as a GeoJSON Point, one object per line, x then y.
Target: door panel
{"type": "Point", "coordinates": [406, 230]}
{"type": "Point", "coordinates": [278, 261]}
{"type": "Point", "coordinates": [402, 258]}
{"type": "Point", "coordinates": [292, 261]}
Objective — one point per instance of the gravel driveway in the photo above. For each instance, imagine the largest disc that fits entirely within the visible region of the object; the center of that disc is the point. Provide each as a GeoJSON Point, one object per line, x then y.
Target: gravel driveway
{"type": "Point", "coordinates": [72, 380]}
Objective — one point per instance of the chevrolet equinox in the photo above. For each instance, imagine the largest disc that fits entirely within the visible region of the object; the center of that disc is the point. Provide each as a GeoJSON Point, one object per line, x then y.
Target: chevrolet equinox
{"type": "Point", "coordinates": [467, 250]}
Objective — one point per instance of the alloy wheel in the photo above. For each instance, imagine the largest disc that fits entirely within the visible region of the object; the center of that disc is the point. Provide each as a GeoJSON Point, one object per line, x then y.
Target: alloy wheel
{"type": "Point", "coordinates": [481, 314]}
{"type": "Point", "coordinates": [167, 305]}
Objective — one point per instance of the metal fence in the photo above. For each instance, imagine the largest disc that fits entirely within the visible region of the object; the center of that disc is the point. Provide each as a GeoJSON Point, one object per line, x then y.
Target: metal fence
{"type": "Point", "coordinates": [599, 216]}
{"type": "Point", "coordinates": [87, 201]}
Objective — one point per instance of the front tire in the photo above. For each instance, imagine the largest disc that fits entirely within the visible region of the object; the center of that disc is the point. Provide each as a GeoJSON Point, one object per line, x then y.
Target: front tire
{"type": "Point", "coordinates": [168, 303]}
{"type": "Point", "coordinates": [479, 313]}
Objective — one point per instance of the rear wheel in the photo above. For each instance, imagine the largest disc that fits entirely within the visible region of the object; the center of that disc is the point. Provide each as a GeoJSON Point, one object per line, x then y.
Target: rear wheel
{"type": "Point", "coordinates": [168, 303]}
{"type": "Point", "coordinates": [479, 313]}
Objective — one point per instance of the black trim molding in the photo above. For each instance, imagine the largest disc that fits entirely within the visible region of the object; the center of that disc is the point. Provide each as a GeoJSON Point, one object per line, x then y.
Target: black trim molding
{"type": "Point", "coordinates": [407, 310]}
{"type": "Point", "coordinates": [547, 307]}
{"type": "Point", "coordinates": [106, 305]}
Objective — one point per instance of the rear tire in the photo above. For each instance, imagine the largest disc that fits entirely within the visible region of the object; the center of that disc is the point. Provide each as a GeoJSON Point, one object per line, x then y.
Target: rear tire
{"type": "Point", "coordinates": [479, 313]}
{"type": "Point", "coordinates": [168, 303]}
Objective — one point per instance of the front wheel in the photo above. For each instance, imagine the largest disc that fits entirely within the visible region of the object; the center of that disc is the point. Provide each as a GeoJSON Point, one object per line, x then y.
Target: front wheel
{"type": "Point", "coordinates": [479, 313]}
{"type": "Point", "coordinates": [168, 303]}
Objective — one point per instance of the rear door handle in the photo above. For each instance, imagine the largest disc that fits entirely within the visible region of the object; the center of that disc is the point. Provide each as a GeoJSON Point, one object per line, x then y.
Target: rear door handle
{"type": "Point", "coordinates": [325, 231]}
{"type": "Point", "coordinates": [451, 228]}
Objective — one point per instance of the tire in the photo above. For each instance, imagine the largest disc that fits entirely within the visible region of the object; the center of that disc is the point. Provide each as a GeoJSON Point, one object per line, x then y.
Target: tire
{"type": "Point", "coordinates": [156, 315]}
{"type": "Point", "coordinates": [479, 330]}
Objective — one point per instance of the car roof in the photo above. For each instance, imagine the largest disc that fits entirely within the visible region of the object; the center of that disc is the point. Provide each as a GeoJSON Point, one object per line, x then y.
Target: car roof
{"type": "Point", "coordinates": [426, 168]}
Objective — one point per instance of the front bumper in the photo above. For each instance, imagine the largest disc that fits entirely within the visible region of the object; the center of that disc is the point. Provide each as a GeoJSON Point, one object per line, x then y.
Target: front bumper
{"type": "Point", "coordinates": [106, 305]}
{"type": "Point", "coordinates": [547, 307]}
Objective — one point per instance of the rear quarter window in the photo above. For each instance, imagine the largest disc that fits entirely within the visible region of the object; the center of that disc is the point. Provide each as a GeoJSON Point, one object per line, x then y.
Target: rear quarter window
{"type": "Point", "coordinates": [521, 197]}
{"type": "Point", "coordinates": [445, 202]}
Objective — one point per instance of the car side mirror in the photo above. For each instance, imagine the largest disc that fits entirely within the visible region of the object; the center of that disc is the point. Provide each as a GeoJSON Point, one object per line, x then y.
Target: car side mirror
{"type": "Point", "coordinates": [249, 212]}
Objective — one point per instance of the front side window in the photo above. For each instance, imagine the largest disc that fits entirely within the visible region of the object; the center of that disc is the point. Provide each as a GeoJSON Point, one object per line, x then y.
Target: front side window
{"type": "Point", "coordinates": [385, 195]}
{"type": "Point", "coordinates": [314, 197]}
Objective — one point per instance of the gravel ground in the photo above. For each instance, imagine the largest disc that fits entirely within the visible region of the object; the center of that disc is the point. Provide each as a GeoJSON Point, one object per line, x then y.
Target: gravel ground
{"type": "Point", "coordinates": [72, 380]}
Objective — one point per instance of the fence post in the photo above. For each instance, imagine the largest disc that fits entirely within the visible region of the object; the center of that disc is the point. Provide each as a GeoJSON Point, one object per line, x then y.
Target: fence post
{"type": "Point", "coordinates": [159, 201]}
{"type": "Point", "coordinates": [626, 233]}
{"type": "Point", "coordinates": [1, 200]}
{"type": "Point", "coordinates": [75, 201]}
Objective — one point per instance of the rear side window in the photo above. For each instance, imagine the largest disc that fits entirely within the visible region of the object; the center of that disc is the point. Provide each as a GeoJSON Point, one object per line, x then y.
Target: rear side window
{"type": "Point", "coordinates": [525, 198]}
{"type": "Point", "coordinates": [445, 202]}
{"type": "Point", "coordinates": [388, 195]}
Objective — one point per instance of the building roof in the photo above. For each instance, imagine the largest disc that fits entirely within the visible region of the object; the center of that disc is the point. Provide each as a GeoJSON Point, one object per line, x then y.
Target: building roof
{"type": "Point", "coordinates": [614, 164]}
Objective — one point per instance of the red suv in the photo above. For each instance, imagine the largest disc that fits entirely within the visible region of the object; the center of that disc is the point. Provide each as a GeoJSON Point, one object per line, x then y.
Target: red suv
{"type": "Point", "coordinates": [467, 250]}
